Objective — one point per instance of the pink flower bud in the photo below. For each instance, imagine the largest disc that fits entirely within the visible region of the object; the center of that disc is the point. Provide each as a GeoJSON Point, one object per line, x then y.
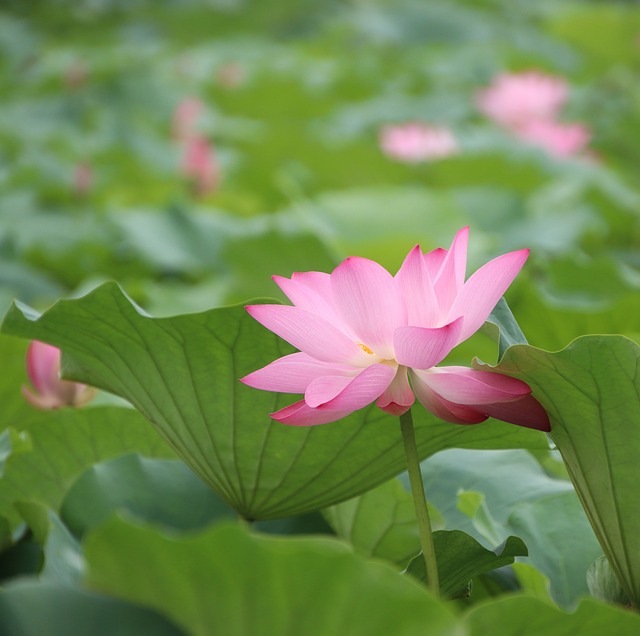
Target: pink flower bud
{"type": "Point", "coordinates": [82, 179]}
{"type": "Point", "coordinates": [558, 139]}
{"type": "Point", "coordinates": [185, 118]}
{"type": "Point", "coordinates": [516, 98]}
{"type": "Point", "coordinates": [76, 75]}
{"type": "Point", "coordinates": [415, 142]}
{"type": "Point", "coordinates": [51, 392]}
{"type": "Point", "coordinates": [199, 165]}
{"type": "Point", "coordinates": [230, 75]}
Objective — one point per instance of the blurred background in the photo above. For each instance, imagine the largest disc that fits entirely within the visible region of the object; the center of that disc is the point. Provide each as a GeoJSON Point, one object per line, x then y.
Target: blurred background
{"type": "Point", "coordinates": [192, 148]}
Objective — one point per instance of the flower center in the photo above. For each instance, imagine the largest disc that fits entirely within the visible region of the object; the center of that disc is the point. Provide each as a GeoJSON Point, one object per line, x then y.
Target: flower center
{"type": "Point", "coordinates": [365, 348]}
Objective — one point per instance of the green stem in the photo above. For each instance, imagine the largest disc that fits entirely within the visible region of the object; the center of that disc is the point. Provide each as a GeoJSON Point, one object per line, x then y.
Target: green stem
{"type": "Point", "coordinates": [420, 502]}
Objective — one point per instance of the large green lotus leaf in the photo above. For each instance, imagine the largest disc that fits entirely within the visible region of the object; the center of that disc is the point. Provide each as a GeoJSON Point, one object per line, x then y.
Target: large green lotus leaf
{"type": "Point", "coordinates": [514, 495]}
{"type": "Point", "coordinates": [520, 615]}
{"type": "Point", "coordinates": [532, 582]}
{"type": "Point", "coordinates": [380, 523]}
{"type": "Point", "coordinates": [63, 562]}
{"type": "Point", "coordinates": [550, 325]}
{"type": "Point", "coordinates": [503, 327]}
{"type": "Point", "coordinates": [164, 492]}
{"type": "Point", "coordinates": [159, 491]}
{"type": "Point", "coordinates": [561, 542]}
{"type": "Point", "coordinates": [505, 478]}
{"type": "Point", "coordinates": [230, 581]}
{"type": "Point", "coordinates": [461, 558]}
{"type": "Point", "coordinates": [32, 608]}
{"type": "Point", "coordinates": [182, 374]}
{"type": "Point", "coordinates": [591, 391]}
{"type": "Point", "coordinates": [12, 443]}
{"type": "Point", "coordinates": [63, 444]}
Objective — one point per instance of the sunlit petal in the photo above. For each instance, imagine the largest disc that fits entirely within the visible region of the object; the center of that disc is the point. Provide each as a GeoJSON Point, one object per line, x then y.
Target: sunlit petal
{"type": "Point", "coordinates": [483, 290]}
{"type": "Point", "coordinates": [323, 389]}
{"type": "Point", "coordinates": [450, 278]}
{"type": "Point", "coordinates": [363, 389]}
{"type": "Point", "coordinates": [422, 348]}
{"type": "Point", "coordinates": [300, 414]}
{"type": "Point", "coordinates": [310, 333]}
{"type": "Point", "coordinates": [293, 373]}
{"type": "Point", "coordinates": [312, 291]}
{"type": "Point", "coordinates": [433, 260]}
{"type": "Point", "coordinates": [368, 299]}
{"type": "Point", "coordinates": [398, 397]}
{"type": "Point", "coordinates": [416, 288]}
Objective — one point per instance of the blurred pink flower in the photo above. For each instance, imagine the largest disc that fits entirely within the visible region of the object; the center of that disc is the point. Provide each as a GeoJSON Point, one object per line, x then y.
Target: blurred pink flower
{"type": "Point", "coordinates": [43, 369]}
{"type": "Point", "coordinates": [185, 118]}
{"type": "Point", "coordinates": [199, 165]}
{"type": "Point", "coordinates": [414, 142]}
{"type": "Point", "coordinates": [76, 75]}
{"type": "Point", "coordinates": [516, 98]}
{"type": "Point", "coordinates": [82, 179]}
{"type": "Point", "coordinates": [363, 334]}
{"type": "Point", "coordinates": [558, 139]}
{"type": "Point", "coordinates": [230, 75]}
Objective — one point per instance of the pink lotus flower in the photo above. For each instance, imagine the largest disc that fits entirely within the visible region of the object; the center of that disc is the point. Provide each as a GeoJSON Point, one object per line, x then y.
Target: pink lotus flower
{"type": "Point", "coordinates": [364, 334]}
{"type": "Point", "coordinates": [76, 75]}
{"type": "Point", "coordinates": [199, 164]}
{"type": "Point", "coordinates": [185, 118]}
{"type": "Point", "coordinates": [558, 139]}
{"type": "Point", "coordinates": [231, 75]}
{"type": "Point", "coordinates": [43, 369]}
{"type": "Point", "coordinates": [82, 179]}
{"type": "Point", "coordinates": [415, 142]}
{"type": "Point", "coordinates": [516, 98]}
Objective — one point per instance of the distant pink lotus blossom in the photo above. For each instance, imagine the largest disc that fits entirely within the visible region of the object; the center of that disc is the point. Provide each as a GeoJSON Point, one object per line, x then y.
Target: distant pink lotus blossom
{"type": "Point", "coordinates": [230, 75]}
{"type": "Point", "coordinates": [185, 118]}
{"type": "Point", "coordinates": [517, 98]}
{"type": "Point", "coordinates": [415, 142]}
{"type": "Point", "coordinates": [199, 165]}
{"type": "Point", "coordinates": [76, 75]}
{"type": "Point", "coordinates": [82, 179]}
{"type": "Point", "coordinates": [558, 139]}
{"type": "Point", "coordinates": [51, 392]}
{"type": "Point", "coordinates": [364, 334]}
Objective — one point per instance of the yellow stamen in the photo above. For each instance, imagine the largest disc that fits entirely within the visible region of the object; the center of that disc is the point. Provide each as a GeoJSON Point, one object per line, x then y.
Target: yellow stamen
{"type": "Point", "coordinates": [365, 348]}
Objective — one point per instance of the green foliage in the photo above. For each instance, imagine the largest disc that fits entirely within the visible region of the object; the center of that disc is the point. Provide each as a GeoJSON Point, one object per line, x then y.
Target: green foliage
{"type": "Point", "coordinates": [66, 442]}
{"type": "Point", "coordinates": [555, 530]}
{"type": "Point", "coordinates": [380, 523]}
{"type": "Point", "coordinates": [603, 583]}
{"type": "Point", "coordinates": [493, 494]}
{"type": "Point", "coordinates": [295, 96]}
{"type": "Point", "coordinates": [522, 615]}
{"type": "Point", "coordinates": [29, 608]}
{"type": "Point", "coordinates": [591, 391]}
{"type": "Point", "coordinates": [260, 585]}
{"type": "Point", "coordinates": [461, 558]}
{"type": "Point", "coordinates": [160, 491]}
{"type": "Point", "coordinates": [63, 561]}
